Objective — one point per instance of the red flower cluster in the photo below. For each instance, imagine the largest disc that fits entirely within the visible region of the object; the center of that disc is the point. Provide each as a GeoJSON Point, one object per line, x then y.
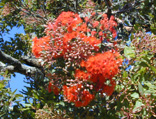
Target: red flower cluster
{"type": "Point", "coordinates": [78, 95]}
{"type": "Point", "coordinates": [77, 41]}
{"type": "Point", "coordinates": [103, 25]}
{"type": "Point", "coordinates": [100, 69]}
{"type": "Point", "coordinates": [69, 26]}
{"type": "Point", "coordinates": [93, 41]}
{"type": "Point", "coordinates": [108, 24]}
{"type": "Point", "coordinates": [103, 64]}
{"type": "Point", "coordinates": [68, 20]}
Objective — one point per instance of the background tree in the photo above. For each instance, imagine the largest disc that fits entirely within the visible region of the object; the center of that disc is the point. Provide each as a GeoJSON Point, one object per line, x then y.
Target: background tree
{"type": "Point", "coordinates": [134, 96]}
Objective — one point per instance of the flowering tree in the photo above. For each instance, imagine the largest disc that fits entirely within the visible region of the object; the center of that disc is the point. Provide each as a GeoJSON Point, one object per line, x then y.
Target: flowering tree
{"type": "Point", "coordinates": [86, 59]}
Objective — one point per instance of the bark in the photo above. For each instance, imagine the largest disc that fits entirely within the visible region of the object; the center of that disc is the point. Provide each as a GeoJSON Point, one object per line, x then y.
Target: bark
{"type": "Point", "coordinates": [31, 68]}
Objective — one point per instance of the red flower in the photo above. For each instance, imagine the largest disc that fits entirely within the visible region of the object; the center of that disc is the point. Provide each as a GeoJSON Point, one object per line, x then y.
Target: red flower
{"type": "Point", "coordinates": [102, 67]}
{"type": "Point", "coordinates": [53, 88]}
{"type": "Point", "coordinates": [105, 64]}
{"type": "Point", "coordinates": [93, 41]}
{"type": "Point", "coordinates": [68, 37]}
{"type": "Point", "coordinates": [109, 89]}
{"type": "Point", "coordinates": [82, 28]}
{"type": "Point", "coordinates": [41, 44]}
{"type": "Point", "coordinates": [86, 98]}
{"type": "Point", "coordinates": [81, 75]}
{"type": "Point", "coordinates": [107, 24]}
{"type": "Point", "coordinates": [70, 93]}
{"type": "Point", "coordinates": [77, 95]}
{"type": "Point", "coordinates": [93, 33]}
{"type": "Point", "coordinates": [100, 33]}
{"type": "Point", "coordinates": [93, 13]}
{"type": "Point", "coordinates": [95, 24]}
{"type": "Point", "coordinates": [68, 19]}
{"type": "Point", "coordinates": [86, 19]}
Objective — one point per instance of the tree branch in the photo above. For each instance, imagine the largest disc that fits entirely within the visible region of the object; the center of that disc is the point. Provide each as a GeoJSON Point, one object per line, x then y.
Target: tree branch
{"type": "Point", "coordinates": [14, 65]}
{"type": "Point", "coordinates": [4, 67]}
{"type": "Point", "coordinates": [31, 61]}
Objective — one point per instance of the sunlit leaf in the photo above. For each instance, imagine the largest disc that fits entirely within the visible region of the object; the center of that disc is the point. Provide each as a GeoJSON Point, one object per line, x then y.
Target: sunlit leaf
{"type": "Point", "coordinates": [141, 90]}
{"type": "Point", "coordinates": [129, 52]}
{"type": "Point", "coordinates": [135, 95]}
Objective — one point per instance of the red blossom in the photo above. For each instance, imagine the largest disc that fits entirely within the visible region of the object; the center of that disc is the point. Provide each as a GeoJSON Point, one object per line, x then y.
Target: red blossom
{"type": "Point", "coordinates": [41, 44]}
{"type": "Point", "coordinates": [86, 19]}
{"type": "Point", "coordinates": [100, 33]}
{"type": "Point", "coordinates": [93, 41]}
{"type": "Point", "coordinates": [95, 24]}
{"type": "Point", "coordinates": [108, 24]}
{"type": "Point", "coordinates": [53, 88]}
{"type": "Point", "coordinates": [77, 95]}
{"type": "Point", "coordinates": [109, 89]}
{"type": "Point", "coordinates": [104, 65]}
{"type": "Point", "coordinates": [67, 37]}
{"type": "Point", "coordinates": [81, 75]}
{"type": "Point", "coordinates": [93, 13]}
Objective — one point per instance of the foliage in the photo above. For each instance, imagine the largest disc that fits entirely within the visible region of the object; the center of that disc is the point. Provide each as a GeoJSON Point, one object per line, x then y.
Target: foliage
{"type": "Point", "coordinates": [8, 99]}
{"type": "Point", "coordinates": [97, 58]}
{"type": "Point", "coordinates": [135, 83]}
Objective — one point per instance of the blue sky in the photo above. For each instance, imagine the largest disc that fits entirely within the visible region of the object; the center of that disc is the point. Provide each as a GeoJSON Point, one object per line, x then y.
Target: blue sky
{"type": "Point", "coordinates": [16, 82]}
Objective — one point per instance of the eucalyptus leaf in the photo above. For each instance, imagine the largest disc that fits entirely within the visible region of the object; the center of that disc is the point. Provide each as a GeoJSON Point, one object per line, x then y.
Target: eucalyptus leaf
{"type": "Point", "coordinates": [138, 105]}
{"type": "Point", "coordinates": [129, 52]}
{"type": "Point", "coordinates": [141, 90]}
{"type": "Point", "coordinates": [27, 105]}
{"type": "Point", "coordinates": [135, 95]}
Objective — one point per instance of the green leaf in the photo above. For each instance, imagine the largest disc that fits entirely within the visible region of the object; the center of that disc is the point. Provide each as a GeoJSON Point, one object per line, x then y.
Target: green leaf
{"type": "Point", "coordinates": [154, 69]}
{"type": "Point", "coordinates": [2, 84]}
{"type": "Point", "coordinates": [152, 88]}
{"type": "Point", "coordinates": [125, 74]}
{"type": "Point", "coordinates": [135, 95]}
{"type": "Point", "coordinates": [2, 115]}
{"type": "Point", "coordinates": [129, 52]}
{"type": "Point", "coordinates": [27, 105]}
{"type": "Point", "coordinates": [136, 26]}
{"type": "Point", "coordinates": [36, 96]}
{"type": "Point", "coordinates": [53, 71]}
{"type": "Point", "coordinates": [151, 15]}
{"type": "Point", "coordinates": [18, 95]}
{"type": "Point", "coordinates": [61, 103]}
{"type": "Point", "coordinates": [137, 105]}
{"type": "Point", "coordinates": [24, 109]}
{"type": "Point", "coordinates": [144, 64]}
{"type": "Point", "coordinates": [141, 90]}
{"type": "Point", "coordinates": [14, 92]}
